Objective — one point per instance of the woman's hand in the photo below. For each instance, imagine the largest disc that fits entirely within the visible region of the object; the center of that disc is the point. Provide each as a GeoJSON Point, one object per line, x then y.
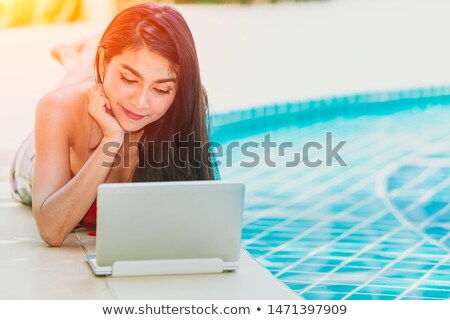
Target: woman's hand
{"type": "Point", "coordinates": [100, 109]}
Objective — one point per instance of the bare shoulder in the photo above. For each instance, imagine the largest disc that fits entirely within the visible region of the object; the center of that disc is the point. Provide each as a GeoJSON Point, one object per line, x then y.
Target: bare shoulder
{"type": "Point", "coordinates": [65, 102]}
{"type": "Point", "coordinates": [65, 106]}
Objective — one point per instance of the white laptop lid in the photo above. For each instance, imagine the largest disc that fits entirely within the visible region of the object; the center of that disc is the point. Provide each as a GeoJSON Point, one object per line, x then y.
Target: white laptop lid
{"type": "Point", "coordinates": [169, 220]}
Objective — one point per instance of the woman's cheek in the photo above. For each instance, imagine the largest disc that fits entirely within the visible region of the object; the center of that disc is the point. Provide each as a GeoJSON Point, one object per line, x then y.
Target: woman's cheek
{"type": "Point", "coordinates": [108, 87]}
{"type": "Point", "coordinates": [119, 92]}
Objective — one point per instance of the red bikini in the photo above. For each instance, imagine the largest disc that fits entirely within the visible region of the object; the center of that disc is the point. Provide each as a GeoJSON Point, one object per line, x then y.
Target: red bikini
{"type": "Point", "coordinates": [89, 221]}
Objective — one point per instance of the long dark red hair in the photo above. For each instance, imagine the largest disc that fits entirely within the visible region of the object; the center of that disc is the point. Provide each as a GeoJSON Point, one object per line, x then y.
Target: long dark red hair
{"type": "Point", "coordinates": [175, 147]}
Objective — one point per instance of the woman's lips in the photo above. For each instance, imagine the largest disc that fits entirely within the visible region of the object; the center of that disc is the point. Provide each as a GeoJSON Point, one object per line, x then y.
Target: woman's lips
{"type": "Point", "coordinates": [132, 115]}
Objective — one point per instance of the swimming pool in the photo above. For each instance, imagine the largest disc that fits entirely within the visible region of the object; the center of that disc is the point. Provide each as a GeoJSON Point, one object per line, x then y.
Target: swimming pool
{"type": "Point", "coordinates": [378, 228]}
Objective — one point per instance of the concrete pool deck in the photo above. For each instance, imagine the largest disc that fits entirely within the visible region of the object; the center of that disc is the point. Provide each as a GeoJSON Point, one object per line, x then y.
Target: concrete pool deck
{"type": "Point", "coordinates": [32, 270]}
{"type": "Point", "coordinates": [249, 56]}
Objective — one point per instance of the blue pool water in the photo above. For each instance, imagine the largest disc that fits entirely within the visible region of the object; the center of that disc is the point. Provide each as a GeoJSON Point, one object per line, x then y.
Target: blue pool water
{"type": "Point", "coordinates": [378, 228]}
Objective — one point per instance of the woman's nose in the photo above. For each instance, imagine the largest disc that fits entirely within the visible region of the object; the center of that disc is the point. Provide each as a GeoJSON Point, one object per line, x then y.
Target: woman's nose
{"type": "Point", "coordinates": [141, 99]}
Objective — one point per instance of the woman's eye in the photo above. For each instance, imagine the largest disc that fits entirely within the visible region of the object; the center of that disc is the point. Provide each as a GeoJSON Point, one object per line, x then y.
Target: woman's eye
{"type": "Point", "coordinates": [127, 80]}
{"type": "Point", "coordinates": [162, 91]}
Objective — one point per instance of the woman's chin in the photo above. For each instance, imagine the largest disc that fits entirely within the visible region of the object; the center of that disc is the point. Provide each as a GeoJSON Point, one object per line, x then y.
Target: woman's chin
{"type": "Point", "coordinates": [131, 130]}
{"type": "Point", "coordinates": [129, 127]}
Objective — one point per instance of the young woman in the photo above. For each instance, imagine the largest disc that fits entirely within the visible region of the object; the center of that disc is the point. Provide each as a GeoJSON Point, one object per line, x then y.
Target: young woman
{"type": "Point", "coordinates": [141, 117]}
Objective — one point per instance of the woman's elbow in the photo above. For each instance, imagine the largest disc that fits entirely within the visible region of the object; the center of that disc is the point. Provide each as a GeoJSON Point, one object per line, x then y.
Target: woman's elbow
{"type": "Point", "coordinates": [53, 240]}
{"type": "Point", "coordinates": [50, 235]}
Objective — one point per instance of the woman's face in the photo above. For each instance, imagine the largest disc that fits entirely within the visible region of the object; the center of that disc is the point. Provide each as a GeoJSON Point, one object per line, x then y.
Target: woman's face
{"type": "Point", "coordinates": [139, 87]}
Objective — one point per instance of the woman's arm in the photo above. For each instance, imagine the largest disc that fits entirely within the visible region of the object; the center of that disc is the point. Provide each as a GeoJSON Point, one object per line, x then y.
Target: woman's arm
{"type": "Point", "coordinates": [59, 203]}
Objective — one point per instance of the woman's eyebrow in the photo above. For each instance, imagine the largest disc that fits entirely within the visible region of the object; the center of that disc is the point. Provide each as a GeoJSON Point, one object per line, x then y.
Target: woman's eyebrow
{"type": "Point", "coordinates": [137, 74]}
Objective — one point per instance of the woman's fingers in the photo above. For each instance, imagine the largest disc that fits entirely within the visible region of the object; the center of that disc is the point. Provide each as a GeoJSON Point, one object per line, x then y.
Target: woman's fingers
{"type": "Point", "coordinates": [100, 109]}
{"type": "Point", "coordinates": [107, 104]}
{"type": "Point", "coordinates": [97, 98]}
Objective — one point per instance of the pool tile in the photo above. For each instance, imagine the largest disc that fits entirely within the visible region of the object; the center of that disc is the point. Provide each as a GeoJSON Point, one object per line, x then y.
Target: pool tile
{"type": "Point", "coordinates": [436, 294]}
{"type": "Point", "coordinates": [307, 217]}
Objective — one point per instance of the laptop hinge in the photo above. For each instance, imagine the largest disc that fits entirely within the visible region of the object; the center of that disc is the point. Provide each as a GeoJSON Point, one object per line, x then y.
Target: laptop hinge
{"type": "Point", "coordinates": [161, 267]}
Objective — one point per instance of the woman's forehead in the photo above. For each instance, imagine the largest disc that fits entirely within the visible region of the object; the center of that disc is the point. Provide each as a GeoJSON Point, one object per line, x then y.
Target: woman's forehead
{"type": "Point", "coordinates": [143, 63]}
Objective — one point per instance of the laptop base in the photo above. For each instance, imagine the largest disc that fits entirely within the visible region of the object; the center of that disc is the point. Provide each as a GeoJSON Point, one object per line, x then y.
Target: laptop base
{"type": "Point", "coordinates": [161, 267]}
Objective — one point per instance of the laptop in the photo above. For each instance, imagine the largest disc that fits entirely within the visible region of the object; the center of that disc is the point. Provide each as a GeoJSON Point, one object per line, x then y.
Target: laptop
{"type": "Point", "coordinates": [181, 227]}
